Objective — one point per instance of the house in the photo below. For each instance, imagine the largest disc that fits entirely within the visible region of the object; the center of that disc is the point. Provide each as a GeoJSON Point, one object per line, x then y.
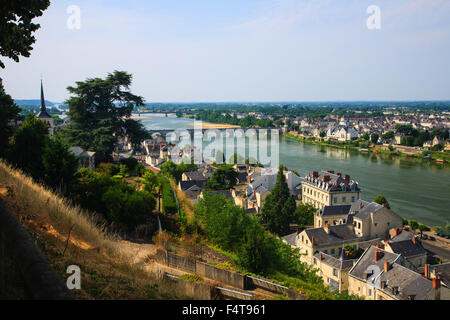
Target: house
{"type": "Point", "coordinates": [382, 275]}
{"type": "Point", "coordinates": [328, 239]}
{"type": "Point", "coordinates": [86, 158]}
{"type": "Point", "coordinates": [372, 220]}
{"type": "Point", "coordinates": [437, 140]}
{"type": "Point", "coordinates": [334, 271]}
{"type": "Point", "coordinates": [439, 270]}
{"type": "Point", "coordinates": [411, 249]}
{"type": "Point", "coordinates": [332, 215]}
{"type": "Point", "coordinates": [327, 189]}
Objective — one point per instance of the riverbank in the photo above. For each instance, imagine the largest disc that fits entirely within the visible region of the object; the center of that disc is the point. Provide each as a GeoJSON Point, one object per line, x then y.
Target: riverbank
{"type": "Point", "coordinates": [440, 158]}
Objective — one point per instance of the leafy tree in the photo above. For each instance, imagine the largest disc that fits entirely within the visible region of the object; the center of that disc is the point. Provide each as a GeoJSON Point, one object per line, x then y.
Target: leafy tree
{"type": "Point", "coordinates": [17, 28]}
{"type": "Point", "coordinates": [256, 250]}
{"type": "Point", "coordinates": [60, 165]}
{"type": "Point", "coordinates": [99, 111]}
{"type": "Point", "coordinates": [136, 132]}
{"type": "Point", "coordinates": [374, 138]}
{"type": "Point", "coordinates": [29, 142]}
{"type": "Point", "coordinates": [150, 181]}
{"type": "Point", "coordinates": [225, 177]}
{"type": "Point", "coordinates": [366, 136]}
{"type": "Point", "coordinates": [447, 227]}
{"type": "Point", "coordinates": [413, 224]}
{"type": "Point", "coordinates": [279, 207]}
{"type": "Point", "coordinates": [381, 199]}
{"type": "Point", "coordinates": [8, 112]}
{"type": "Point", "coordinates": [388, 135]}
{"type": "Point", "coordinates": [422, 228]}
{"type": "Point", "coordinates": [304, 214]}
{"type": "Point", "coordinates": [323, 134]}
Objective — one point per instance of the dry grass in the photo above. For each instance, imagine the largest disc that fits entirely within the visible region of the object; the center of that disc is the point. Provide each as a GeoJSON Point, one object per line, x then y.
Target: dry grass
{"type": "Point", "coordinates": [109, 266]}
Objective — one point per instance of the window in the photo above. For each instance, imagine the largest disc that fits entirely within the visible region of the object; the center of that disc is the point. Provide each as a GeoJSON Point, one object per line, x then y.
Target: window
{"type": "Point", "coordinates": [332, 251]}
{"type": "Point", "coordinates": [335, 200]}
{"type": "Point", "coordinates": [353, 199]}
{"type": "Point", "coordinates": [335, 273]}
{"type": "Point", "coordinates": [370, 292]}
{"type": "Point", "coordinates": [315, 261]}
{"type": "Point", "coordinates": [325, 251]}
{"type": "Point", "coordinates": [344, 199]}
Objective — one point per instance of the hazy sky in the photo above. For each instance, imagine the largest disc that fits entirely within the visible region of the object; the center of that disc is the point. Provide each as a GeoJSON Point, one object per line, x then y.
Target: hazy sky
{"type": "Point", "coordinates": [243, 50]}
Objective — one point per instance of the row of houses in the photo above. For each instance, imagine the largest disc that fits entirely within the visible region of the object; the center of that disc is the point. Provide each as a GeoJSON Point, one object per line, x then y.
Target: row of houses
{"type": "Point", "coordinates": [362, 247]}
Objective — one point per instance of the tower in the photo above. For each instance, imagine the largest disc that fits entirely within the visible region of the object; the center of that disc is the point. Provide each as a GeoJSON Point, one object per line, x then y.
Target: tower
{"type": "Point", "coordinates": [43, 115]}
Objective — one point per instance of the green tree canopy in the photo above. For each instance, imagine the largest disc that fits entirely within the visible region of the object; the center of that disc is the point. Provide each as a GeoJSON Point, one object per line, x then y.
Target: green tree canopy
{"type": "Point", "coordinates": [60, 165]}
{"type": "Point", "coordinates": [99, 112]}
{"type": "Point", "coordinates": [381, 199]}
{"type": "Point", "coordinates": [374, 138]}
{"type": "Point", "coordinates": [17, 28]}
{"type": "Point", "coordinates": [8, 111]}
{"type": "Point", "coordinates": [225, 177]}
{"type": "Point", "coordinates": [29, 142]}
{"type": "Point", "coordinates": [279, 207]}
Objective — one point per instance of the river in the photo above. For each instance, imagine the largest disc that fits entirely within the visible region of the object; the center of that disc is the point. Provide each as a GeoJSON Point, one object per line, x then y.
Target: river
{"type": "Point", "coordinates": [415, 189]}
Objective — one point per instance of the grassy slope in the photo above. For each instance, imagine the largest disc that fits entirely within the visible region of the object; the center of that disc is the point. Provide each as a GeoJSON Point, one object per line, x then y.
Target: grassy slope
{"type": "Point", "coordinates": [107, 264]}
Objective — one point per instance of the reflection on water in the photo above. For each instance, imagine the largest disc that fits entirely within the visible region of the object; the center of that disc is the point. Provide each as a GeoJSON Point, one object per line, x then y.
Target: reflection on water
{"type": "Point", "coordinates": [414, 188]}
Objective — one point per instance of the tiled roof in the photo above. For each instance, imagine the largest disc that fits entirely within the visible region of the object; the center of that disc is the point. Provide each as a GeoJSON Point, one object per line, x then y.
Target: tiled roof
{"type": "Point", "coordinates": [334, 210]}
{"type": "Point", "coordinates": [360, 270]}
{"type": "Point", "coordinates": [368, 209]}
{"type": "Point", "coordinates": [337, 234]}
{"type": "Point", "coordinates": [407, 248]}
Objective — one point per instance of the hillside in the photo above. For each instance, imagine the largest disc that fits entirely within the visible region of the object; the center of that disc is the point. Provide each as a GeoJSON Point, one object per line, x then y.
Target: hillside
{"type": "Point", "coordinates": [33, 102]}
{"type": "Point", "coordinates": [66, 235]}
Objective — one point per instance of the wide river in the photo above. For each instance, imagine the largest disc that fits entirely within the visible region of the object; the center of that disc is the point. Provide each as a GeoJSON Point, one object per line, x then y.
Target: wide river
{"type": "Point", "coordinates": [415, 189]}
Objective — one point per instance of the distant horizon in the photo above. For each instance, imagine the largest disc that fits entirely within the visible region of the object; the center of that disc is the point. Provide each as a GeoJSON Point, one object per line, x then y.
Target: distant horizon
{"type": "Point", "coordinates": [247, 51]}
{"type": "Point", "coordinates": [262, 102]}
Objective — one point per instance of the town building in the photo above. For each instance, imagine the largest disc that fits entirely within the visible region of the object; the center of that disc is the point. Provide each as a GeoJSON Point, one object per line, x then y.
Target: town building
{"type": "Point", "coordinates": [329, 189]}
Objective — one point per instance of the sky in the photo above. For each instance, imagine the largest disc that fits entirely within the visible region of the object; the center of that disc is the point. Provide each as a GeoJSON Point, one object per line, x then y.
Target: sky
{"type": "Point", "coordinates": [243, 50]}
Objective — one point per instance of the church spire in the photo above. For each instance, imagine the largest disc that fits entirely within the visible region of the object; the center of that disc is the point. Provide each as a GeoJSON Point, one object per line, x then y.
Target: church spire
{"type": "Point", "coordinates": [43, 108]}
{"type": "Point", "coordinates": [43, 111]}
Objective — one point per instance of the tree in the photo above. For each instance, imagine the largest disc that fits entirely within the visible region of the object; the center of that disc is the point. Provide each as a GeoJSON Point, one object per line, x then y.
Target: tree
{"type": "Point", "coordinates": [29, 142]}
{"type": "Point", "coordinates": [279, 207]}
{"type": "Point", "coordinates": [388, 135]}
{"type": "Point", "coordinates": [99, 112]}
{"type": "Point", "coordinates": [257, 250]}
{"type": "Point", "coordinates": [150, 181]}
{"type": "Point", "coordinates": [136, 132]}
{"type": "Point", "coordinates": [366, 136]}
{"type": "Point", "coordinates": [374, 138]}
{"type": "Point", "coordinates": [447, 227]}
{"type": "Point", "coordinates": [422, 228]}
{"type": "Point", "coordinates": [225, 177]}
{"type": "Point", "coordinates": [323, 134]}
{"type": "Point", "coordinates": [413, 224]}
{"type": "Point", "coordinates": [8, 111]}
{"type": "Point", "coordinates": [304, 215]}
{"type": "Point", "coordinates": [17, 28]}
{"type": "Point", "coordinates": [60, 165]}
{"type": "Point", "coordinates": [381, 199]}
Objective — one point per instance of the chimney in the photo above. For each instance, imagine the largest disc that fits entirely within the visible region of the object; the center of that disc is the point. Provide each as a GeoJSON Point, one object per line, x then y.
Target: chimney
{"type": "Point", "coordinates": [315, 174]}
{"type": "Point", "coordinates": [378, 255]}
{"type": "Point", "coordinates": [397, 231]}
{"type": "Point", "coordinates": [326, 178]}
{"type": "Point", "coordinates": [312, 241]}
{"type": "Point", "coordinates": [326, 227]}
{"type": "Point", "coordinates": [387, 266]}
{"type": "Point", "coordinates": [347, 178]}
{"type": "Point", "coordinates": [437, 288]}
{"type": "Point", "coordinates": [413, 239]}
{"type": "Point", "coordinates": [427, 271]}
{"type": "Point", "coordinates": [339, 174]}
{"type": "Point", "coordinates": [321, 256]}
{"type": "Point", "coordinates": [330, 171]}
{"type": "Point", "coordinates": [249, 180]}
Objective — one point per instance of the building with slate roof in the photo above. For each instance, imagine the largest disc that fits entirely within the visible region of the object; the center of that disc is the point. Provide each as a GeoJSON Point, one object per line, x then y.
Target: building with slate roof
{"type": "Point", "coordinates": [332, 215]}
{"type": "Point", "coordinates": [329, 189]}
{"type": "Point", "coordinates": [382, 275]}
{"type": "Point", "coordinates": [410, 249]}
{"type": "Point", "coordinates": [334, 271]}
